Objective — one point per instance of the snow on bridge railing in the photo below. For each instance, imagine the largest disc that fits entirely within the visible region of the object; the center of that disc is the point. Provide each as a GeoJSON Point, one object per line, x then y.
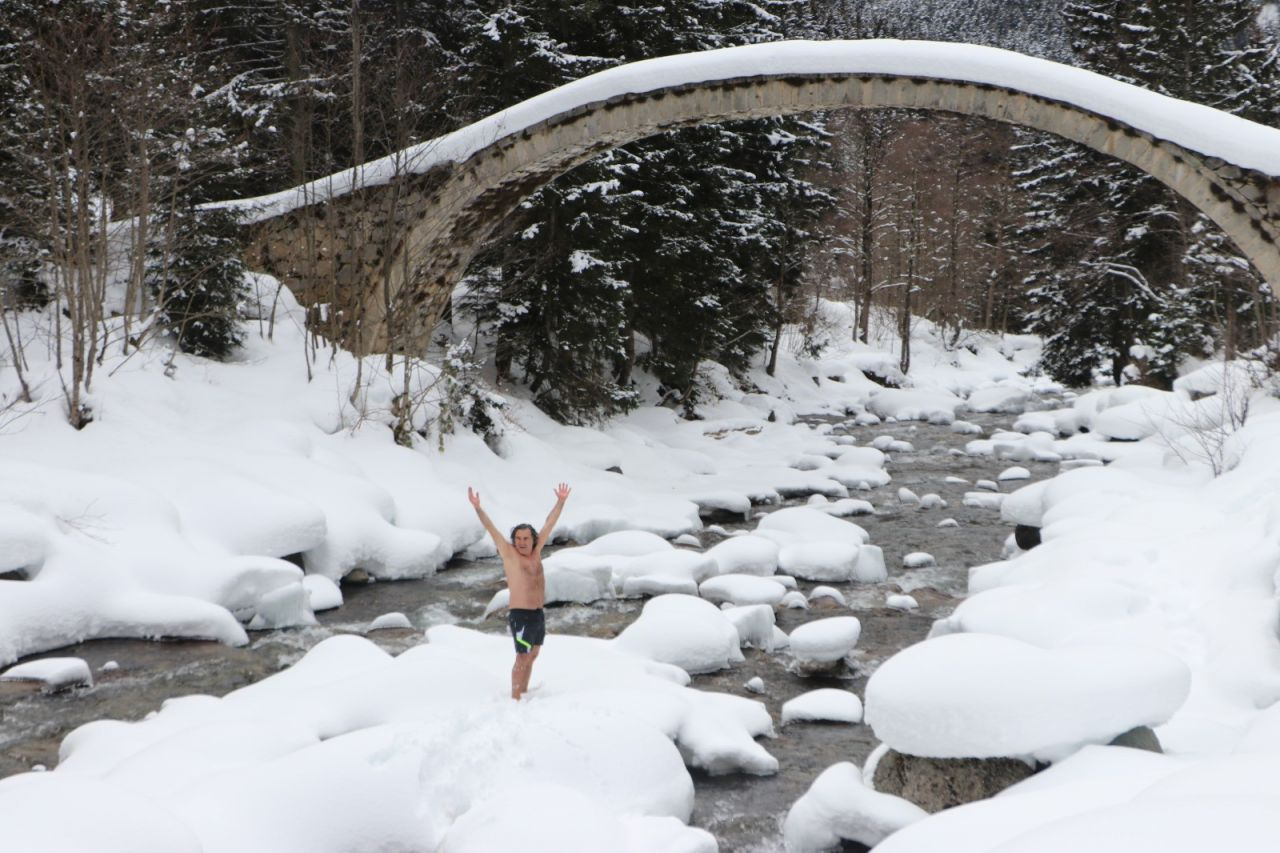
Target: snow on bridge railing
{"type": "Point", "coordinates": [1196, 127]}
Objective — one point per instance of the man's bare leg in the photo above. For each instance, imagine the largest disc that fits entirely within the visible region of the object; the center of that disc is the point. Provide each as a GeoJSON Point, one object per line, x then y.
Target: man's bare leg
{"type": "Point", "coordinates": [521, 671]}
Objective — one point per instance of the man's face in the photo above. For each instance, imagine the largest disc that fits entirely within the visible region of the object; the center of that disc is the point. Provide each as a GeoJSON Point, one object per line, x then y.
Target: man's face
{"type": "Point", "coordinates": [523, 540]}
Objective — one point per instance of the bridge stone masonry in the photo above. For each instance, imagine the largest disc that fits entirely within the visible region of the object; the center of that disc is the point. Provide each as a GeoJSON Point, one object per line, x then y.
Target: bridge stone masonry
{"type": "Point", "coordinates": [385, 255]}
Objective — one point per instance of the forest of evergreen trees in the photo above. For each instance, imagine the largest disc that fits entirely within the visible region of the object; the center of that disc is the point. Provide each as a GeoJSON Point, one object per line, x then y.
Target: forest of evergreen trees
{"type": "Point", "coordinates": [694, 245]}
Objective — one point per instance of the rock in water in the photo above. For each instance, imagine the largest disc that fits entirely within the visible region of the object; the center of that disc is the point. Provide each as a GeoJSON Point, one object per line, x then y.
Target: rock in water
{"type": "Point", "coordinates": [1026, 536]}
{"type": "Point", "coordinates": [935, 784]}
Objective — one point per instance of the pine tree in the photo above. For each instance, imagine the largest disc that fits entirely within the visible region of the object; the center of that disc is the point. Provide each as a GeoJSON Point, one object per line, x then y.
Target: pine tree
{"type": "Point", "coordinates": [1125, 263]}
{"type": "Point", "coordinates": [197, 281]}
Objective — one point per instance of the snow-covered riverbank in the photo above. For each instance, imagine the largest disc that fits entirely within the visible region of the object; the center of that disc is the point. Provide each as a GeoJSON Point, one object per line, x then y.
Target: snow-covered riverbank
{"type": "Point", "coordinates": [172, 513]}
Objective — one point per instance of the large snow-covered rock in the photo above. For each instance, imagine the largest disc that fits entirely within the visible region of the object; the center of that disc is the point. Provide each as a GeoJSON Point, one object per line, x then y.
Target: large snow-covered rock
{"type": "Point", "coordinates": [745, 555]}
{"type": "Point", "coordinates": [54, 673]}
{"type": "Point", "coordinates": [823, 641]}
{"type": "Point", "coordinates": [803, 524]}
{"type": "Point", "coordinates": [827, 704]}
{"type": "Point", "coordinates": [683, 631]}
{"type": "Point", "coordinates": [911, 405]}
{"type": "Point", "coordinates": [1045, 614]}
{"type": "Point", "coordinates": [982, 696]}
{"type": "Point", "coordinates": [1010, 399]}
{"type": "Point", "coordinates": [742, 589]}
{"type": "Point", "coordinates": [820, 561]}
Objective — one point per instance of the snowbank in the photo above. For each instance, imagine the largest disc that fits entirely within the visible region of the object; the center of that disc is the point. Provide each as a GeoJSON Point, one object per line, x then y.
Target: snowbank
{"type": "Point", "coordinates": [427, 743]}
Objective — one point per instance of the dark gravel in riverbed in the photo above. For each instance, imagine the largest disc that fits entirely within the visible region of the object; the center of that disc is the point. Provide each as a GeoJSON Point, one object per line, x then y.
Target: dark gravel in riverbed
{"type": "Point", "coordinates": [745, 813]}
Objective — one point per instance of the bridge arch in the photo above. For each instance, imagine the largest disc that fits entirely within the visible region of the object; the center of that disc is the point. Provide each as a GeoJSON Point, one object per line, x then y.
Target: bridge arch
{"type": "Point", "coordinates": [384, 244]}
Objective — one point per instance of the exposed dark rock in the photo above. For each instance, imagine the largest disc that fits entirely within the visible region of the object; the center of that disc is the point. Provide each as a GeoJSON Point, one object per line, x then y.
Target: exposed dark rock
{"type": "Point", "coordinates": [935, 784]}
{"type": "Point", "coordinates": [614, 469]}
{"type": "Point", "coordinates": [1141, 737]}
{"type": "Point", "coordinates": [1026, 536]}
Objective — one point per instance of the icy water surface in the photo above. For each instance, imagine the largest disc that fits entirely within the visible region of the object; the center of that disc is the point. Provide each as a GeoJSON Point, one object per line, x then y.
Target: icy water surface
{"type": "Point", "coordinates": [744, 812]}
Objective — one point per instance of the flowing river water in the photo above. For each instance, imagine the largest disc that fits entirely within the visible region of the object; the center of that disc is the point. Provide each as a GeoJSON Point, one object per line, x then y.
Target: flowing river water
{"type": "Point", "coordinates": [745, 813]}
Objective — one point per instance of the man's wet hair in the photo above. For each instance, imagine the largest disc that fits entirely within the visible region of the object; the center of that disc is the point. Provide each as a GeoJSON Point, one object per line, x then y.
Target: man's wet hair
{"type": "Point", "coordinates": [528, 527]}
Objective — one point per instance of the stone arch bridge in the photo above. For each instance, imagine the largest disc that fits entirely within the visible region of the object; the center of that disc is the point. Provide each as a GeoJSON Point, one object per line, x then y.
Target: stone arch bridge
{"type": "Point", "coordinates": [383, 245]}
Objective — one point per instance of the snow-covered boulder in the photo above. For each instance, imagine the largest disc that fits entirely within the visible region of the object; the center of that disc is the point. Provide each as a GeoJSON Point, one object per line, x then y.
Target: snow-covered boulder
{"type": "Point", "coordinates": [322, 593]}
{"type": "Point", "coordinates": [826, 704]}
{"type": "Point", "coordinates": [755, 623]}
{"type": "Point", "coordinates": [912, 405]}
{"type": "Point", "coordinates": [842, 508]}
{"type": "Point", "coordinates": [839, 806]}
{"type": "Point", "coordinates": [285, 607]}
{"type": "Point", "coordinates": [745, 555]}
{"type": "Point", "coordinates": [1044, 614]}
{"type": "Point", "coordinates": [828, 592]}
{"type": "Point", "coordinates": [984, 500]}
{"type": "Point", "coordinates": [1026, 505]}
{"type": "Point", "coordinates": [742, 589]}
{"type": "Point", "coordinates": [389, 622]}
{"type": "Point", "coordinates": [1009, 399]}
{"type": "Point", "coordinates": [857, 465]}
{"type": "Point", "coordinates": [870, 567]}
{"type": "Point", "coordinates": [901, 602]}
{"type": "Point", "coordinates": [825, 641]}
{"type": "Point", "coordinates": [918, 560]}
{"type": "Point", "coordinates": [58, 673]}
{"type": "Point", "coordinates": [980, 696]}
{"type": "Point", "coordinates": [795, 600]}
{"type": "Point", "coordinates": [625, 543]}
{"type": "Point", "coordinates": [820, 561]}
{"type": "Point", "coordinates": [651, 585]}
{"type": "Point", "coordinates": [674, 563]}
{"type": "Point", "coordinates": [683, 631]}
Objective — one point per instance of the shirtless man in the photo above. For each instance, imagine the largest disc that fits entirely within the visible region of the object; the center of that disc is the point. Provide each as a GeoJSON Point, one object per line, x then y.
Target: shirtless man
{"type": "Point", "coordinates": [522, 563]}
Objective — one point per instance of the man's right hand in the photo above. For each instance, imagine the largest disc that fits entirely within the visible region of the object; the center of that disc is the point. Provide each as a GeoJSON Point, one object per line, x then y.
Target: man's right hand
{"type": "Point", "coordinates": [474, 497]}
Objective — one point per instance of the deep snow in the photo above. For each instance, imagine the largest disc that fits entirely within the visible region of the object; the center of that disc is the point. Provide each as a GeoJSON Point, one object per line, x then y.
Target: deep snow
{"type": "Point", "coordinates": [1152, 599]}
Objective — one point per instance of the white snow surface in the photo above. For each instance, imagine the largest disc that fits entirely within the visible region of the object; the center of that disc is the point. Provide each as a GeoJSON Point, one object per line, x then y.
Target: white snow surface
{"type": "Point", "coordinates": [427, 743]}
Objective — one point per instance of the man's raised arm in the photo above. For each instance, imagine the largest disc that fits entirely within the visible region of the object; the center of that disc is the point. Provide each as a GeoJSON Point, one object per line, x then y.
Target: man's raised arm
{"type": "Point", "coordinates": [562, 495]}
{"type": "Point", "coordinates": [474, 497]}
